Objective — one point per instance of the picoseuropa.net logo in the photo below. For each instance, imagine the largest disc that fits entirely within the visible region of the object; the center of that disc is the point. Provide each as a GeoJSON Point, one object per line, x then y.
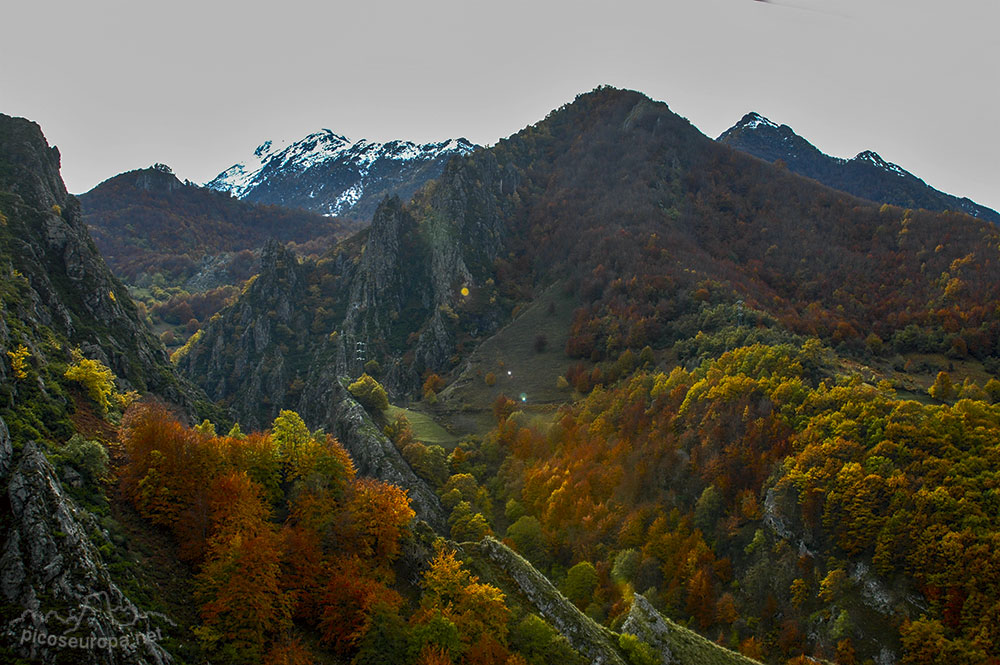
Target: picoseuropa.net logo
{"type": "Point", "coordinates": [85, 627]}
{"type": "Point", "coordinates": [128, 641]}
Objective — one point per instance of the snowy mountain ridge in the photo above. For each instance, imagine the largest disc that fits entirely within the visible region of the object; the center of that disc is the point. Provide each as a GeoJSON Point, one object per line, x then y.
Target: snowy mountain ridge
{"type": "Point", "coordinates": [328, 173]}
{"type": "Point", "coordinates": [866, 175]}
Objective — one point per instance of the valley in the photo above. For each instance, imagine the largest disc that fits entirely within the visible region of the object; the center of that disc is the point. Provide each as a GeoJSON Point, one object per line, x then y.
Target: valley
{"type": "Point", "coordinates": [607, 391]}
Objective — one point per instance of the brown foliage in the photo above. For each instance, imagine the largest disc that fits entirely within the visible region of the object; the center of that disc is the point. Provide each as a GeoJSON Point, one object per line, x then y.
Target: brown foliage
{"type": "Point", "coordinates": [348, 603]}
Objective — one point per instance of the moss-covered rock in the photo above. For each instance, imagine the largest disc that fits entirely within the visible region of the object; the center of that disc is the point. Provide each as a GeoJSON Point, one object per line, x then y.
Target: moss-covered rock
{"type": "Point", "coordinates": [592, 640]}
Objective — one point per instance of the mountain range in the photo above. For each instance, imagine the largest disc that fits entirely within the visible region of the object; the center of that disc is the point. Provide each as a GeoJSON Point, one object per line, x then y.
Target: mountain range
{"type": "Point", "coordinates": [135, 217]}
{"type": "Point", "coordinates": [707, 213]}
{"type": "Point", "coordinates": [329, 174]}
{"type": "Point", "coordinates": [866, 175]}
{"type": "Point", "coordinates": [651, 399]}
{"type": "Point", "coordinates": [617, 228]}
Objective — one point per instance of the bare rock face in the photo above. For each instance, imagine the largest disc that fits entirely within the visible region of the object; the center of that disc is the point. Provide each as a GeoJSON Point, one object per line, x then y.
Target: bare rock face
{"type": "Point", "coordinates": [33, 172]}
{"type": "Point", "coordinates": [415, 263]}
{"type": "Point", "coordinates": [246, 357]}
{"type": "Point", "coordinates": [648, 625]}
{"type": "Point", "coordinates": [51, 568]}
{"type": "Point", "coordinates": [6, 450]}
{"type": "Point", "coordinates": [391, 292]}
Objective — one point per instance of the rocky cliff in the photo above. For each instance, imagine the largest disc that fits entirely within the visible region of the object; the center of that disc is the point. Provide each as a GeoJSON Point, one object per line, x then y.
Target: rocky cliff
{"type": "Point", "coordinates": [427, 270]}
{"type": "Point", "coordinates": [62, 603]}
{"type": "Point", "coordinates": [271, 350]}
{"type": "Point", "coordinates": [395, 300]}
{"type": "Point", "coordinates": [595, 642]}
{"type": "Point", "coordinates": [250, 355]}
{"type": "Point", "coordinates": [373, 454]}
{"type": "Point", "coordinates": [407, 289]}
{"type": "Point", "coordinates": [57, 292]}
{"type": "Point", "coordinates": [650, 627]}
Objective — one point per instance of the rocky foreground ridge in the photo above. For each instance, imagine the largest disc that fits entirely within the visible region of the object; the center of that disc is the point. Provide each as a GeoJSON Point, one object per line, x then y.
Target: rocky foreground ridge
{"type": "Point", "coordinates": [51, 569]}
{"type": "Point", "coordinates": [58, 293]}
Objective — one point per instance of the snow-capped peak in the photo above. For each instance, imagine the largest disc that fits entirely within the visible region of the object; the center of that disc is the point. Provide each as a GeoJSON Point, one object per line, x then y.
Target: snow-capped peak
{"type": "Point", "coordinates": [870, 156]}
{"type": "Point", "coordinates": [875, 159]}
{"type": "Point", "coordinates": [330, 161]}
{"type": "Point", "coordinates": [754, 120]}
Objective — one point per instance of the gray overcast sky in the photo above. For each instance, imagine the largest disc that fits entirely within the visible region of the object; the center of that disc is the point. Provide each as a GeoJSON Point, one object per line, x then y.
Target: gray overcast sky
{"type": "Point", "coordinates": [119, 84]}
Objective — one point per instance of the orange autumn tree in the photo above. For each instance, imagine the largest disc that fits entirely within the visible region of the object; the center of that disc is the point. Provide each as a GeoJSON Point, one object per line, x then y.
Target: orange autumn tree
{"type": "Point", "coordinates": [329, 565]}
{"type": "Point", "coordinates": [289, 652]}
{"type": "Point", "coordinates": [349, 601]}
{"type": "Point", "coordinates": [243, 607]}
{"type": "Point", "coordinates": [378, 514]}
{"type": "Point", "coordinates": [371, 522]}
{"type": "Point", "coordinates": [237, 509]}
{"type": "Point", "coordinates": [304, 570]}
{"type": "Point", "coordinates": [168, 471]}
{"type": "Point", "coordinates": [168, 467]}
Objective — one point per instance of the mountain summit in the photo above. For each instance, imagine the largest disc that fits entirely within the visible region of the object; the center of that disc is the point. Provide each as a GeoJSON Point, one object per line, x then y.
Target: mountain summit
{"type": "Point", "coordinates": [329, 174]}
{"type": "Point", "coordinates": [867, 175]}
{"type": "Point", "coordinates": [148, 221]}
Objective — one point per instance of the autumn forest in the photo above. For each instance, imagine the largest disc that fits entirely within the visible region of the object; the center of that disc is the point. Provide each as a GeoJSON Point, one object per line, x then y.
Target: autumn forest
{"type": "Point", "coordinates": [605, 392]}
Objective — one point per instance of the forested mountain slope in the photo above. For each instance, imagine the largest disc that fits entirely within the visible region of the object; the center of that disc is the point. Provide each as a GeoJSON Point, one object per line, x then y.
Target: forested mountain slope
{"type": "Point", "coordinates": [147, 222]}
{"type": "Point", "coordinates": [735, 321]}
{"type": "Point", "coordinates": [73, 355]}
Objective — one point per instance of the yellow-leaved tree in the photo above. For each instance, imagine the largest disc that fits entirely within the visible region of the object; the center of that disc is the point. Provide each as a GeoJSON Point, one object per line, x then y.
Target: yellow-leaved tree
{"type": "Point", "coordinates": [95, 377]}
{"type": "Point", "coordinates": [18, 358]}
{"type": "Point", "coordinates": [452, 595]}
{"type": "Point", "coordinates": [370, 393]}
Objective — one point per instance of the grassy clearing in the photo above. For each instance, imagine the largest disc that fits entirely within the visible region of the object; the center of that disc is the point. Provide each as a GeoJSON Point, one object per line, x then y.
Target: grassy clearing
{"type": "Point", "coordinates": [913, 374]}
{"type": "Point", "coordinates": [513, 357]}
{"type": "Point", "coordinates": [425, 429]}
